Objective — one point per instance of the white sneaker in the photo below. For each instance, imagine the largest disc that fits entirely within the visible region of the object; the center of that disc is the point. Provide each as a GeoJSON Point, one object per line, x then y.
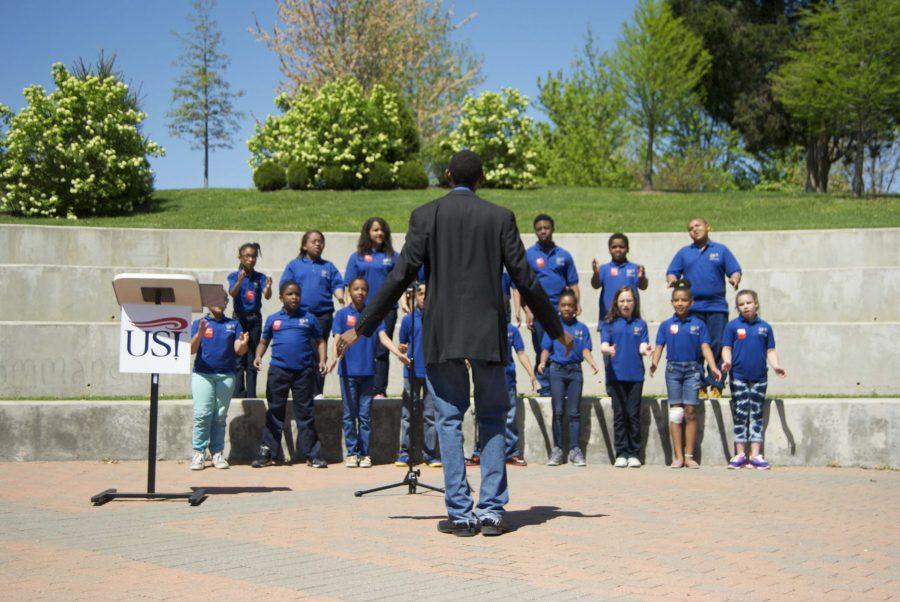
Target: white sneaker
{"type": "Point", "coordinates": [621, 462]}
{"type": "Point", "coordinates": [198, 462]}
{"type": "Point", "coordinates": [219, 461]}
{"type": "Point", "coordinates": [351, 462]}
{"type": "Point", "coordinates": [319, 396]}
{"type": "Point", "coordinates": [634, 462]}
{"type": "Point", "coordinates": [366, 462]}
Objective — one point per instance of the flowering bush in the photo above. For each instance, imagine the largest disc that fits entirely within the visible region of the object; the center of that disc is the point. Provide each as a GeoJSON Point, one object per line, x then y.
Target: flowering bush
{"type": "Point", "coordinates": [338, 125]}
{"type": "Point", "coordinates": [495, 126]}
{"type": "Point", "coordinates": [76, 151]}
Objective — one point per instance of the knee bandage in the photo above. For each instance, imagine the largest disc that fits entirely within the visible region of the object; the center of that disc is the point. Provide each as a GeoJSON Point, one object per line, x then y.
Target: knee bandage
{"type": "Point", "coordinates": [676, 415]}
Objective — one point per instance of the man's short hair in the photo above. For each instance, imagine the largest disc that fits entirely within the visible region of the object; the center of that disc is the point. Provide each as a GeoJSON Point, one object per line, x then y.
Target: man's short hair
{"type": "Point", "coordinates": [465, 168]}
{"type": "Point", "coordinates": [543, 217]}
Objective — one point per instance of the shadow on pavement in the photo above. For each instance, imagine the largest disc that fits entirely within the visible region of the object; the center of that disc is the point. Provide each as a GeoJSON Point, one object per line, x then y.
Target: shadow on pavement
{"type": "Point", "coordinates": [237, 490]}
{"type": "Point", "coordinates": [516, 519]}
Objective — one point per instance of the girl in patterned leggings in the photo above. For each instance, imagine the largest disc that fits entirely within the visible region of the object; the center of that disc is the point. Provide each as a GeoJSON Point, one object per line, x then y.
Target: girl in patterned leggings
{"type": "Point", "coordinates": [747, 343]}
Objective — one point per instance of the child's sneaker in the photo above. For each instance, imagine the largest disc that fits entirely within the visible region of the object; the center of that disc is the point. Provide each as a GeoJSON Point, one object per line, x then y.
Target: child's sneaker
{"type": "Point", "coordinates": [576, 457]}
{"type": "Point", "coordinates": [556, 457]}
{"type": "Point", "coordinates": [759, 463]}
{"type": "Point", "coordinates": [198, 462]}
{"type": "Point", "coordinates": [634, 462]}
{"type": "Point", "coordinates": [738, 462]}
{"type": "Point", "coordinates": [703, 393]}
{"type": "Point", "coordinates": [351, 462]}
{"type": "Point", "coordinates": [434, 463]}
{"type": "Point", "coordinates": [402, 459]}
{"type": "Point", "coordinates": [621, 462]}
{"type": "Point", "coordinates": [366, 462]}
{"type": "Point", "coordinates": [715, 393]}
{"type": "Point", "coordinates": [219, 461]}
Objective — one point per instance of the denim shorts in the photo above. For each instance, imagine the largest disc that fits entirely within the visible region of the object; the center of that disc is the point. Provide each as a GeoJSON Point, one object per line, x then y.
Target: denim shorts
{"type": "Point", "coordinates": [683, 382]}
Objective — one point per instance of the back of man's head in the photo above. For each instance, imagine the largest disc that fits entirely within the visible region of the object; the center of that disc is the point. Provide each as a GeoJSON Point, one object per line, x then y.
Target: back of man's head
{"type": "Point", "coordinates": [465, 169]}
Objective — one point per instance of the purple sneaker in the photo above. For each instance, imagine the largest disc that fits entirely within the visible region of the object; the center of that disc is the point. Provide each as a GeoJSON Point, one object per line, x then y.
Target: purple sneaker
{"type": "Point", "coordinates": [738, 462]}
{"type": "Point", "coordinates": [759, 463]}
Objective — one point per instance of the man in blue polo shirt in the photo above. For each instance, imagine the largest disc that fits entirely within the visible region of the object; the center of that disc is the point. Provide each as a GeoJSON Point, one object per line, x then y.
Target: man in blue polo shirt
{"type": "Point", "coordinates": [555, 270]}
{"type": "Point", "coordinates": [707, 265]}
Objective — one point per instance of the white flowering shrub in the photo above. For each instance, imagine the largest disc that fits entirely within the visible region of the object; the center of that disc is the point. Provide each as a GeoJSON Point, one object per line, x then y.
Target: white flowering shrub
{"type": "Point", "coordinates": [496, 127]}
{"type": "Point", "coordinates": [338, 125]}
{"type": "Point", "coordinates": [76, 151]}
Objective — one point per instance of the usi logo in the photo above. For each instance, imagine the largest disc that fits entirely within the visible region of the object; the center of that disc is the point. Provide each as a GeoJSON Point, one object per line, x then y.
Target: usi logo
{"type": "Point", "coordinates": [160, 337]}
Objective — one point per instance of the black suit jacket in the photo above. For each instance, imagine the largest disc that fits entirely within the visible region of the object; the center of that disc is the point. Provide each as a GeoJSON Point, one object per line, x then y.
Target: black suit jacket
{"type": "Point", "coordinates": [463, 241]}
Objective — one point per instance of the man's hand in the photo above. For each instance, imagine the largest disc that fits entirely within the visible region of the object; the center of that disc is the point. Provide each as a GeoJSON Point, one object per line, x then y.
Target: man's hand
{"type": "Point", "coordinates": [566, 341]}
{"type": "Point", "coordinates": [346, 340]}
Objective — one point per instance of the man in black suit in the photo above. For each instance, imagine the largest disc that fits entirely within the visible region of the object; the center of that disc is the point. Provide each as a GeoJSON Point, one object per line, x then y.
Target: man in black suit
{"type": "Point", "coordinates": [464, 243]}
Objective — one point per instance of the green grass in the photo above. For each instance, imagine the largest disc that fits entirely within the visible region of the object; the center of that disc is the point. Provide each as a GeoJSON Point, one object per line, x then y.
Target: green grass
{"type": "Point", "coordinates": [575, 210]}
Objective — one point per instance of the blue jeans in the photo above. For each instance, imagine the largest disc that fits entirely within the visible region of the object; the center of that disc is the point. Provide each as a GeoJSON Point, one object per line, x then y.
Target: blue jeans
{"type": "Point", "coordinates": [683, 382]}
{"type": "Point", "coordinates": [511, 437]}
{"type": "Point", "coordinates": [422, 411]}
{"type": "Point", "coordinates": [747, 408]}
{"type": "Point", "coordinates": [537, 335]}
{"type": "Point", "coordinates": [566, 383]}
{"type": "Point", "coordinates": [715, 323]}
{"type": "Point", "coordinates": [448, 383]}
{"type": "Point", "coordinates": [356, 392]}
{"type": "Point", "coordinates": [212, 396]}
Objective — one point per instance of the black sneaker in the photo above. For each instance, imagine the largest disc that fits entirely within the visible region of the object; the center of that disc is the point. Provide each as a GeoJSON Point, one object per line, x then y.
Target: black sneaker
{"type": "Point", "coordinates": [458, 529]}
{"type": "Point", "coordinates": [263, 458]}
{"type": "Point", "coordinates": [491, 527]}
{"type": "Point", "coordinates": [317, 463]}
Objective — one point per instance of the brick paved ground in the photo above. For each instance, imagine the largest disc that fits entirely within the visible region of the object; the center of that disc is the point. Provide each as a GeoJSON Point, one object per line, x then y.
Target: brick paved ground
{"type": "Point", "coordinates": [599, 532]}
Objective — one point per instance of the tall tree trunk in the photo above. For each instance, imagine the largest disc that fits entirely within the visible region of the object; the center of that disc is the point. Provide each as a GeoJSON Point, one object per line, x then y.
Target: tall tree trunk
{"type": "Point", "coordinates": [648, 163]}
{"type": "Point", "coordinates": [818, 164]}
{"type": "Point", "coordinates": [206, 152]}
{"type": "Point", "coordinates": [858, 181]}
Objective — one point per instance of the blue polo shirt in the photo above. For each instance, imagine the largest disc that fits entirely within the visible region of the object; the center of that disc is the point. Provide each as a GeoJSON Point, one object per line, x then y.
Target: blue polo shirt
{"type": "Point", "coordinates": [614, 276]}
{"type": "Point", "coordinates": [317, 279]}
{"type": "Point", "coordinates": [627, 335]}
{"type": "Point", "coordinates": [749, 342]}
{"type": "Point", "coordinates": [682, 338]}
{"type": "Point", "coordinates": [507, 284]}
{"type": "Point", "coordinates": [515, 343]}
{"type": "Point", "coordinates": [707, 270]}
{"type": "Point", "coordinates": [555, 269]}
{"type": "Point", "coordinates": [360, 358]}
{"type": "Point", "coordinates": [374, 266]}
{"type": "Point", "coordinates": [216, 353]}
{"type": "Point", "coordinates": [252, 289]}
{"type": "Point", "coordinates": [581, 337]}
{"type": "Point", "coordinates": [415, 351]}
{"type": "Point", "coordinates": [293, 338]}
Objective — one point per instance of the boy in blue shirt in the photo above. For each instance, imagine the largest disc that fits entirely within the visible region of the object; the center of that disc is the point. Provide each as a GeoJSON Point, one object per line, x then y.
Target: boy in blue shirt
{"type": "Point", "coordinates": [248, 288]}
{"type": "Point", "coordinates": [414, 385]}
{"type": "Point", "coordinates": [555, 270]}
{"type": "Point", "coordinates": [746, 345]}
{"type": "Point", "coordinates": [357, 371]}
{"type": "Point", "coordinates": [297, 342]}
{"type": "Point", "coordinates": [619, 272]}
{"type": "Point", "coordinates": [706, 265]}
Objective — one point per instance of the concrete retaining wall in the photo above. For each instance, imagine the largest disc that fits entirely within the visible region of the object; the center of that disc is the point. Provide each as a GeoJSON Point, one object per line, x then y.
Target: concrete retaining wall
{"type": "Point", "coordinates": [848, 432]}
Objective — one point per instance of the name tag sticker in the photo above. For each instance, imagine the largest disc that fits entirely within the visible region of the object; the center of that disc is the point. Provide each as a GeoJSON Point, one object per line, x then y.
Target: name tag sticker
{"type": "Point", "coordinates": [351, 320]}
{"type": "Point", "coordinates": [276, 324]}
{"type": "Point", "coordinates": [673, 328]}
{"type": "Point", "coordinates": [540, 262]}
{"type": "Point", "coordinates": [614, 271]}
{"type": "Point", "coordinates": [208, 334]}
{"type": "Point", "coordinates": [251, 295]}
{"type": "Point", "coordinates": [742, 333]}
{"type": "Point", "coordinates": [368, 258]}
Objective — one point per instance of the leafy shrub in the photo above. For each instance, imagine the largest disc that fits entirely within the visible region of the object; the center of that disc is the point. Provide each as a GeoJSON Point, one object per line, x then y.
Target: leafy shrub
{"type": "Point", "coordinates": [495, 126]}
{"type": "Point", "coordinates": [297, 176]}
{"type": "Point", "coordinates": [269, 176]}
{"type": "Point", "coordinates": [340, 124]}
{"type": "Point", "coordinates": [412, 176]}
{"type": "Point", "coordinates": [78, 150]}
{"type": "Point", "coordinates": [334, 177]}
{"type": "Point", "coordinates": [380, 176]}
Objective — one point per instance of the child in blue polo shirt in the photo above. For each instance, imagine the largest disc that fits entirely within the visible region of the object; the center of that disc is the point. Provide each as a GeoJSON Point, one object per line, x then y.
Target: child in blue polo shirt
{"type": "Point", "coordinates": [619, 272]}
{"type": "Point", "coordinates": [706, 265]}
{"type": "Point", "coordinates": [414, 385]}
{"type": "Point", "coordinates": [218, 342]}
{"type": "Point", "coordinates": [373, 260]}
{"type": "Point", "coordinates": [555, 270]}
{"type": "Point", "coordinates": [625, 340]}
{"type": "Point", "coordinates": [356, 370]}
{"type": "Point", "coordinates": [686, 340]}
{"type": "Point", "coordinates": [319, 280]}
{"type": "Point", "coordinates": [746, 345]}
{"type": "Point", "coordinates": [297, 342]}
{"type": "Point", "coordinates": [248, 288]}
{"type": "Point", "coordinates": [566, 380]}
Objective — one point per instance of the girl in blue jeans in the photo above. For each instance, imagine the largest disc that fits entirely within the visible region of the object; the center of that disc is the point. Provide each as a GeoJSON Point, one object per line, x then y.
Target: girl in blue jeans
{"type": "Point", "coordinates": [566, 380]}
{"type": "Point", "coordinates": [217, 342]}
{"type": "Point", "coordinates": [747, 343]}
{"type": "Point", "coordinates": [686, 341]}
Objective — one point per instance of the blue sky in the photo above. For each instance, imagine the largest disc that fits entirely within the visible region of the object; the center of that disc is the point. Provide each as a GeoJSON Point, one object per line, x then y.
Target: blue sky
{"type": "Point", "coordinates": [519, 41]}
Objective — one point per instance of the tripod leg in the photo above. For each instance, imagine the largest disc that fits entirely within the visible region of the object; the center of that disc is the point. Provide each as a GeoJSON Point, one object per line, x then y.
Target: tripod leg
{"type": "Point", "coordinates": [382, 488]}
{"type": "Point", "coordinates": [431, 487]}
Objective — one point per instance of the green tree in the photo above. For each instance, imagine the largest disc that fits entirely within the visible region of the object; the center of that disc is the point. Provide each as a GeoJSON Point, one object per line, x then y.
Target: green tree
{"type": "Point", "coordinates": [203, 111]}
{"type": "Point", "coordinates": [660, 63]}
{"type": "Point", "coordinates": [845, 73]}
{"type": "Point", "coordinates": [582, 146]}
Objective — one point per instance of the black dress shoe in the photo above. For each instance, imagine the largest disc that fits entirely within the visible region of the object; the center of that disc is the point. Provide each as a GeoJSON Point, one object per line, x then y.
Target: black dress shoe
{"type": "Point", "coordinates": [458, 529]}
{"type": "Point", "coordinates": [491, 527]}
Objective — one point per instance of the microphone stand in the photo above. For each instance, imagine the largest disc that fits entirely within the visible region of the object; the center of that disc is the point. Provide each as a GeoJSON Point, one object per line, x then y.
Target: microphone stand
{"type": "Point", "coordinates": [411, 480]}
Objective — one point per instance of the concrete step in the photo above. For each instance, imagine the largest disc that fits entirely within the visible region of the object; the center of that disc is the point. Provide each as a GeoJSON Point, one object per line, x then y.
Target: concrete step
{"type": "Point", "coordinates": [810, 432]}
{"type": "Point", "coordinates": [80, 359]}
{"type": "Point", "coordinates": [789, 295]}
{"type": "Point", "coordinates": [217, 249]}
